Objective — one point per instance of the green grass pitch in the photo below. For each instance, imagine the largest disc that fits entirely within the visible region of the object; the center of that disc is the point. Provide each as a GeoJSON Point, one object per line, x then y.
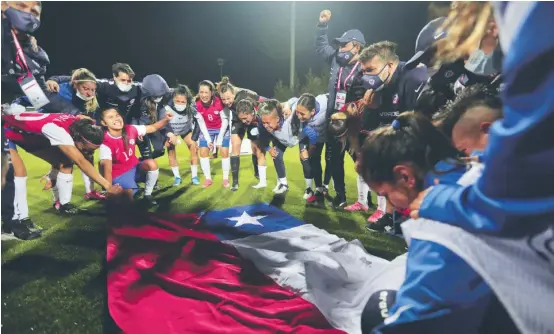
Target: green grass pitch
{"type": "Point", "coordinates": [56, 285]}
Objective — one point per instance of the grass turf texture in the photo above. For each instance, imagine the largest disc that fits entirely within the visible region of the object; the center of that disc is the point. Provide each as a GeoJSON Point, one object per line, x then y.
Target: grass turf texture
{"type": "Point", "coordinates": [55, 284]}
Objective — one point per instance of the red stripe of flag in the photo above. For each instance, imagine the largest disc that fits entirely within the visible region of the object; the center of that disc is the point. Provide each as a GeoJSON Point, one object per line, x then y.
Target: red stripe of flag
{"type": "Point", "coordinates": [168, 275]}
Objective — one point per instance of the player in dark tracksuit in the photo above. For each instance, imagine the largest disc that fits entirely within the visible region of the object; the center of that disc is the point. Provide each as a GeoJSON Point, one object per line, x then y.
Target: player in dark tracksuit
{"type": "Point", "coordinates": [155, 94]}
{"type": "Point", "coordinates": [397, 89]}
{"type": "Point", "coordinates": [341, 56]}
{"type": "Point", "coordinates": [121, 93]}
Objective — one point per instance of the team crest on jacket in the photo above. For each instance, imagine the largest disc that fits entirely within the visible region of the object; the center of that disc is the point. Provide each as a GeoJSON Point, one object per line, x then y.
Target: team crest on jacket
{"type": "Point", "coordinates": [131, 141]}
{"type": "Point", "coordinates": [395, 99]}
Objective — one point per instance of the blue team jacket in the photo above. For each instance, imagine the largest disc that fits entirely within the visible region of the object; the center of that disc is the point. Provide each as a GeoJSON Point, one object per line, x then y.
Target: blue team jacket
{"type": "Point", "coordinates": [517, 185]}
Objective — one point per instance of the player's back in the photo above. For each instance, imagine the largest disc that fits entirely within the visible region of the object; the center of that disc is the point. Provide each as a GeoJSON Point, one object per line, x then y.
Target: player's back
{"type": "Point", "coordinates": [30, 122]}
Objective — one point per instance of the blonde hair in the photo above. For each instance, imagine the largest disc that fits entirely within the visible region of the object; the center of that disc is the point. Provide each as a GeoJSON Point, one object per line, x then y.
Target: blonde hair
{"type": "Point", "coordinates": [465, 27]}
{"type": "Point", "coordinates": [82, 75]}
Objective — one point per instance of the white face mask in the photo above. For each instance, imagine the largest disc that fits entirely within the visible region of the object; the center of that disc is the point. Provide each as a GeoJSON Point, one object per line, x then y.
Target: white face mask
{"type": "Point", "coordinates": [84, 98]}
{"type": "Point", "coordinates": [123, 87]}
{"type": "Point", "coordinates": [157, 100]}
{"type": "Point", "coordinates": [180, 107]}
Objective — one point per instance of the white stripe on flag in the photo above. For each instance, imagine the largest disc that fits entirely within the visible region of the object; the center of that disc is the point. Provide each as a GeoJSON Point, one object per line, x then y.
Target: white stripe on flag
{"type": "Point", "coordinates": [337, 276]}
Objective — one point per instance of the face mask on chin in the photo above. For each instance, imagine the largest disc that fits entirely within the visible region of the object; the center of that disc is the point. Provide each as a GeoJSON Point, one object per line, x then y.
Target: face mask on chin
{"type": "Point", "coordinates": [22, 21]}
{"type": "Point", "coordinates": [84, 98]}
{"type": "Point", "coordinates": [124, 87]}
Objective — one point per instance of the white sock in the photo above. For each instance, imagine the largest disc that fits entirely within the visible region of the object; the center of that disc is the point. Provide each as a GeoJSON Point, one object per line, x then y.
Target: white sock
{"type": "Point", "coordinates": [308, 183]}
{"type": "Point", "coordinates": [87, 182]}
{"type": "Point", "coordinates": [283, 181]}
{"type": "Point", "coordinates": [53, 176]}
{"type": "Point", "coordinates": [20, 206]}
{"type": "Point", "coordinates": [194, 170]}
{"type": "Point", "coordinates": [175, 171]}
{"type": "Point", "coordinates": [262, 171]}
{"type": "Point", "coordinates": [226, 167]}
{"type": "Point", "coordinates": [263, 177]}
{"type": "Point", "coordinates": [65, 187]}
{"type": "Point", "coordinates": [151, 178]}
{"type": "Point", "coordinates": [205, 165]}
{"type": "Point", "coordinates": [382, 203]}
{"type": "Point", "coordinates": [363, 188]}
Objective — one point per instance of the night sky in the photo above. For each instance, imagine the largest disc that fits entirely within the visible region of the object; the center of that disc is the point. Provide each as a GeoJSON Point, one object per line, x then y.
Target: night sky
{"type": "Point", "coordinates": [182, 40]}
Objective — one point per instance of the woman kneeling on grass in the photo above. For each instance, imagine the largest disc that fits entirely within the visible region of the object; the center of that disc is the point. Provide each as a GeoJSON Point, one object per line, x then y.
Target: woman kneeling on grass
{"type": "Point", "coordinates": [118, 161]}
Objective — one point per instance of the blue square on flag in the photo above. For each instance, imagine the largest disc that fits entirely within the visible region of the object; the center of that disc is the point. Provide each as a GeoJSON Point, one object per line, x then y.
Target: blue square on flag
{"type": "Point", "coordinates": [242, 221]}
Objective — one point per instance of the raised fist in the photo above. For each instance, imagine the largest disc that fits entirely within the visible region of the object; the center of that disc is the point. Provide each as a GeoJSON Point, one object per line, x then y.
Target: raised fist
{"type": "Point", "coordinates": [324, 16]}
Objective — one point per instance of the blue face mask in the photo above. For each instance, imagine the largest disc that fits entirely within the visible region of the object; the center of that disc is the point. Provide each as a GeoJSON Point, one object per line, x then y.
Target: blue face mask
{"type": "Point", "coordinates": [343, 58]}
{"type": "Point", "coordinates": [374, 81]}
{"type": "Point", "coordinates": [22, 21]}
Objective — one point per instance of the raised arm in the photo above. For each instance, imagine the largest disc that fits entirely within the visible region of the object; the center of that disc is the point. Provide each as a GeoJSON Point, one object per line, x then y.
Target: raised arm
{"type": "Point", "coordinates": [322, 46]}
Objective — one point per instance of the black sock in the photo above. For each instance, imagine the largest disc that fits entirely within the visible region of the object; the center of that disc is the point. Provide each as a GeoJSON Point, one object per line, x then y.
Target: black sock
{"type": "Point", "coordinates": [255, 163]}
{"type": "Point", "coordinates": [235, 166]}
{"type": "Point", "coordinates": [279, 164]}
{"type": "Point", "coordinates": [306, 168]}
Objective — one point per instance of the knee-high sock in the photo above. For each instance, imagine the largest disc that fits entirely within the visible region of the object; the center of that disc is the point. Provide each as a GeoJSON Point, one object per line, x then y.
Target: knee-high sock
{"type": "Point", "coordinates": [328, 165]}
{"type": "Point", "coordinates": [175, 171]}
{"type": "Point", "coordinates": [307, 169]}
{"type": "Point", "coordinates": [87, 181]}
{"type": "Point", "coordinates": [64, 184]}
{"type": "Point", "coordinates": [194, 170]}
{"type": "Point", "coordinates": [53, 176]}
{"type": "Point", "coordinates": [255, 164]}
{"type": "Point", "coordinates": [235, 166]}
{"type": "Point", "coordinates": [263, 174]}
{"type": "Point", "coordinates": [20, 206]}
{"type": "Point", "coordinates": [279, 164]}
{"type": "Point", "coordinates": [226, 167]}
{"type": "Point", "coordinates": [151, 179]}
{"type": "Point", "coordinates": [205, 165]}
{"type": "Point", "coordinates": [315, 163]}
{"type": "Point", "coordinates": [363, 189]}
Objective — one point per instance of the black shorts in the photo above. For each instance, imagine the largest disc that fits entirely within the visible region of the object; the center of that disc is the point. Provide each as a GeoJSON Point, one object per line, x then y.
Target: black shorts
{"type": "Point", "coordinates": [304, 144]}
{"type": "Point", "coordinates": [237, 128]}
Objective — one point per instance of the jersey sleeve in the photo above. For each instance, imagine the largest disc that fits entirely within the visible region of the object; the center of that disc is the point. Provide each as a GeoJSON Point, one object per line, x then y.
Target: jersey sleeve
{"type": "Point", "coordinates": [141, 129]}
{"type": "Point", "coordinates": [57, 135]}
{"type": "Point", "coordinates": [105, 152]}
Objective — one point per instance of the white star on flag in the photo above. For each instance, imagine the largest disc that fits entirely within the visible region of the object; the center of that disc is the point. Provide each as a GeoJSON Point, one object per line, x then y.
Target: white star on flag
{"type": "Point", "coordinates": [246, 219]}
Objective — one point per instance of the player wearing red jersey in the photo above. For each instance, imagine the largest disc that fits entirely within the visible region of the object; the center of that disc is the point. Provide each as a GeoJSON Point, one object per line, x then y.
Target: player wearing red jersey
{"type": "Point", "coordinates": [118, 160]}
{"type": "Point", "coordinates": [61, 140]}
{"type": "Point", "coordinates": [211, 107]}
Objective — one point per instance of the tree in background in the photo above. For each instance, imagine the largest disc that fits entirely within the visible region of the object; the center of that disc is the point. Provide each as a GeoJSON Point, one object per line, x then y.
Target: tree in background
{"type": "Point", "coordinates": [313, 84]}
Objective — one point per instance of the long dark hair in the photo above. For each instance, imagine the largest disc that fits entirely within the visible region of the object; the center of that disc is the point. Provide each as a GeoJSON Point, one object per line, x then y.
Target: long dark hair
{"type": "Point", "coordinates": [411, 138]}
{"type": "Point", "coordinates": [123, 130]}
{"type": "Point", "coordinates": [183, 90]}
{"type": "Point", "coordinates": [85, 130]}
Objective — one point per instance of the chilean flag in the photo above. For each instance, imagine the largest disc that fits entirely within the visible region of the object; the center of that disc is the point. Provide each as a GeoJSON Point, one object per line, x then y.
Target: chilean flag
{"type": "Point", "coordinates": [249, 269]}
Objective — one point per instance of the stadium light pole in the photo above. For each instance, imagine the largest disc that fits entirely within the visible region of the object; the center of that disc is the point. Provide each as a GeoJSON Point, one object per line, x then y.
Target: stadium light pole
{"type": "Point", "coordinates": [220, 63]}
{"type": "Point", "coordinates": [292, 43]}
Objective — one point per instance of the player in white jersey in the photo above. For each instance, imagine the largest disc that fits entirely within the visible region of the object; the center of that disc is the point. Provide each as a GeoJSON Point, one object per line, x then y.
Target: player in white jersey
{"type": "Point", "coordinates": [183, 108]}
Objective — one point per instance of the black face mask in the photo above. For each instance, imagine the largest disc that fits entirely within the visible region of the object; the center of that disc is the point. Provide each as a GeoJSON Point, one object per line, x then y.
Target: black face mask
{"type": "Point", "coordinates": [22, 21]}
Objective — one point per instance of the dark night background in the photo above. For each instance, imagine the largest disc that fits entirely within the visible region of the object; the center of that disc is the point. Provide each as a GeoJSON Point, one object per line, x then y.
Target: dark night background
{"type": "Point", "coordinates": [182, 40]}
